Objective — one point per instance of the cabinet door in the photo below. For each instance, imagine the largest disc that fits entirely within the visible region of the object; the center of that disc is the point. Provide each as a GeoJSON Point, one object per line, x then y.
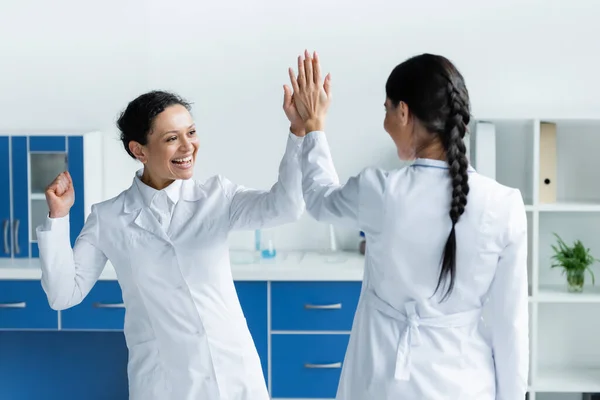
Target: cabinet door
{"type": "Point", "coordinates": [307, 366]}
{"type": "Point", "coordinates": [24, 305]}
{"type": "Point", "coordinates": [314, 306]}
{"type": "Point", "coordinates": [102, 309]}
{"type": "Point", "coordinates": [47, 159]}
{"type": "Point", "coordinates": [36, 161]}
{"type": "Point", "coordinates": [20, 197]}
{"type": "Point", "coordinates": [6, 244]}
{"type": "Point", "coordinates": [75, 166]}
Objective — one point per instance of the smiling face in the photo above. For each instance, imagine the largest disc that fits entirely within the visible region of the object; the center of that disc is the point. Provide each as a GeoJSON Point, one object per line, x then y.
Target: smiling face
{"type": "Point", "coordinates": [171, 148]}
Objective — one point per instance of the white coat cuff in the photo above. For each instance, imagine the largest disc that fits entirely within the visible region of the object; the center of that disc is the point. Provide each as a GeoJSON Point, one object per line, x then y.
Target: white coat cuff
{"type": "Point", "coordinates": [315, 135]}
{"type": "Point", "coordinates": [53, 224]}
{"type": "Point", "coordinates": [294, 146]}
{"type": "Point", "coordinates": [296, 140]}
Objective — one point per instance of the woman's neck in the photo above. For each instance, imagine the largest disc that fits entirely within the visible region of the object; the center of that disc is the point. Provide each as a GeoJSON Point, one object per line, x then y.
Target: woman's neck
{"type": "Point", "coordinates": [153, 182]}
{"type": "Point", "coordinates": [433, 151]}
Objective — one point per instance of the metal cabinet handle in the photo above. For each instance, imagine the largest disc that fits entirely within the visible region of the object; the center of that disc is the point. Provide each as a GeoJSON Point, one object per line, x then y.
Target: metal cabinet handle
{"type": "Point", "coordinates": [17, 248]}
{"type": "Point", "coordinates": [6, 246]}
{"type": "Point", "coordinates": [13, 305]}
{"type": "Point", "coordinates": [108, 305]}
{"type": "Point", "coordinates": [325, 366]}
{"type": "Point", "coordinates": [323, 307]}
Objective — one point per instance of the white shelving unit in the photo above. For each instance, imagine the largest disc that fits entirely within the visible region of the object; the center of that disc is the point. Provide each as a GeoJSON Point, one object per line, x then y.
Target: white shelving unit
{"type": "Point", "coordinates": [564, 327]}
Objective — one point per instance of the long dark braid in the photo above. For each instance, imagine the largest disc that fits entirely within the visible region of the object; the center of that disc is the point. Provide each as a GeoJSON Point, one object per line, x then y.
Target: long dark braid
{"type": "Point", "coordinates": [436, 95]}
{"type": "Point", "coordinates": [456, 127]}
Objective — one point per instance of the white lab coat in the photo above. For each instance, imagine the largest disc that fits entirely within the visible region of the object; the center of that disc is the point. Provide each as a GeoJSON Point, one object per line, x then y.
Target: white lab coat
{"type": "Point", "coordinates": [185, 330]}
{"type": "Point", "coordinates": [404, 343]}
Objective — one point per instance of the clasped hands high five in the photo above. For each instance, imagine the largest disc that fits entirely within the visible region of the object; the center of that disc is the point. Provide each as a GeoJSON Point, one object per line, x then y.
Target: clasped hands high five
{"type": "Point", "coordinates": [306, 107]}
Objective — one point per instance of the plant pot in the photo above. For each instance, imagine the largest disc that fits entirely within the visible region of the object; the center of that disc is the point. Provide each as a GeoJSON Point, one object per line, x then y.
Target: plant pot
{"type": "Point", "coordinates": [575, 280]}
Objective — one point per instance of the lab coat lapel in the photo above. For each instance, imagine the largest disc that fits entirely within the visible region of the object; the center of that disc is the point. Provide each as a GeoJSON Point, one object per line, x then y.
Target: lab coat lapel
{"type": "Point", "coordinates": [184, 210]}
{"type": "Point", "coordinates": [148, 222]}
{"type": "Point", "coordinates": [144, 218]}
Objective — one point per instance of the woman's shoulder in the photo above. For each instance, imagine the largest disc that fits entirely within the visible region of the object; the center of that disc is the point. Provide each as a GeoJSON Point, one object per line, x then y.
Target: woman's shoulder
{"type": "Point", "coordinates": [112, 201]}
{"type": "Point", "coordinates": [501, 193]}
{"type": "Point", "coordinates": [374, 177]}
{"type": "Point", "coordinates": [503, 206]}
{"type": "Point", "coordinates": [215, 183]}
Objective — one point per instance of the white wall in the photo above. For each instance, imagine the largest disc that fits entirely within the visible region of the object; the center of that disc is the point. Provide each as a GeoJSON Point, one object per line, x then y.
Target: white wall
{"type": "Point", "coordinates": [71, 65]}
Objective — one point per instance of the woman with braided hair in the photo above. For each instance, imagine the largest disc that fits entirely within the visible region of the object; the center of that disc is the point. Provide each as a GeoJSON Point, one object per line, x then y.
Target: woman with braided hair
{"type": "Point", "coordinates": [443, 243]}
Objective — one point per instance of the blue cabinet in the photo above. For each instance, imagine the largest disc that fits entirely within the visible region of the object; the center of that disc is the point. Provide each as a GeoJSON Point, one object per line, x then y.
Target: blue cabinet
{"type": "Point", "coordinates": [23, 305]}
{"type": "Point", "coordinates": [314, 306]}
{"type": "Point", "coordinates": [307, 366]}
{"type": "Point", "coordinates": [5, 197]}
{"type": "Point", "coordinates": [253, 299]}
{"type": "Point", "coordinates": [28, 164]}
{"type": "Point", "coordinates": [310, 330]}
{"type": "Point", "coordinates": [20, 196]}
{"type": "Point", "coordinates": [304, 348]}
{"type": "Point", "coordinates": [46, 365]}
{"type": "Point", "coordinates": [102, 309]}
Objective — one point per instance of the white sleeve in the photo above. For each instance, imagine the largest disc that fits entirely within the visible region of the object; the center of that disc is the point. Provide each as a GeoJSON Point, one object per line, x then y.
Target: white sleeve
{"type": "Point", "coordinates": [357, 204]}
{"type": "Point", "coordinates": [283, 203]}
{"type": "Point", "coordinates": [509, 308]}
{"type": "Point", "coordinates": [68, 274]}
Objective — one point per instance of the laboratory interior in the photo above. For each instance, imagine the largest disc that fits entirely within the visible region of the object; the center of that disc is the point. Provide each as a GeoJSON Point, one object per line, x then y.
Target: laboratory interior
{"type": "Point", "coordinates": [70, 68]}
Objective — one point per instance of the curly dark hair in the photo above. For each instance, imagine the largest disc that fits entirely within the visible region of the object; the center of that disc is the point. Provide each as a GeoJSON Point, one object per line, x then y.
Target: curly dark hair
{"type": "Point", "coordinates": [135, 123]}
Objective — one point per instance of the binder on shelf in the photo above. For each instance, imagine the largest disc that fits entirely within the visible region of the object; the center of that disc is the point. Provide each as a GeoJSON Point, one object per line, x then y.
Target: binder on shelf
{"type": "Point", "coordinates": [482, 148]}
{"type": "Point", "coordinates": [547, 182]}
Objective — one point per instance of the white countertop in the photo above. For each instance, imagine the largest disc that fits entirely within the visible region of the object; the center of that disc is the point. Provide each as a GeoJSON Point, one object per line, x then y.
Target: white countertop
{"type": "Point", "coordinates": [245, 266]}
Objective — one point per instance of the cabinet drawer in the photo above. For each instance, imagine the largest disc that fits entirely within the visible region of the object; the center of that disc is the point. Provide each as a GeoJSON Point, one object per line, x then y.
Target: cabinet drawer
{"type": "Point", "coordinates": [307, 366]}
{"type": "Point", "coordinates": [102, 308]}
{"type": "Point", "coordinates": [24, 305]}
{"type": "Point", "coordinates": [323, 306]}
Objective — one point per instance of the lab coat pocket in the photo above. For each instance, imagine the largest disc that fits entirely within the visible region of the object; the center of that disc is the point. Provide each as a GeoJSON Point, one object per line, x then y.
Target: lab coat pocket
{"type": "Point", "coordinates": [146, 376]}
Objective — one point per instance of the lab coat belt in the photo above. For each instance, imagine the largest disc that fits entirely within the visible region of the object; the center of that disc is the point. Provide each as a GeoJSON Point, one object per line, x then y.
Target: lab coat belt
{"type": "Point", "coordinates": [411, 336]}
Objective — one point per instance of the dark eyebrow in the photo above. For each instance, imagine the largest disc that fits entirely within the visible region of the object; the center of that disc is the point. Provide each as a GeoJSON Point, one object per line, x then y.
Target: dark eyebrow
{"type": "Point", "coordinates": [189, 127]}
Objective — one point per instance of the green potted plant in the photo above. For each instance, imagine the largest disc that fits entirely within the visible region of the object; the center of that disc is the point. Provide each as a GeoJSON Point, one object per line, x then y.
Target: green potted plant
{"type": "Point", "coordinates": [574, 261]}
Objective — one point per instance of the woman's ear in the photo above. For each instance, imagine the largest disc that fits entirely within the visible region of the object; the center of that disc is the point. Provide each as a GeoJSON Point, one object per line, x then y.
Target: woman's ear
{"type": "Point", "coordinates": [138, 151]}
{"type": "Point", "coordinates": [403, 113]}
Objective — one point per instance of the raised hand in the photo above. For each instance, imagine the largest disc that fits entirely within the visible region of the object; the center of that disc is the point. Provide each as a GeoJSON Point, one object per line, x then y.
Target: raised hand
{"type": "Point", "coordinates": [60, 195]}
{"type": "Point", "coordinates": [312, 94]}
{"type": "Point", "coordinates": [289, 108]}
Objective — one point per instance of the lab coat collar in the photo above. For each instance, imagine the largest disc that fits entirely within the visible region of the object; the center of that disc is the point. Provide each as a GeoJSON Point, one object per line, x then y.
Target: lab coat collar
{"type": "Point", "coordinates": [134, 199]}
{"type": "Point", "coordinates": [148, 193]}
{"type": "Point", "coordinates": [429, 162]}
{"type": "Point", "coordinates": [134, 204]}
